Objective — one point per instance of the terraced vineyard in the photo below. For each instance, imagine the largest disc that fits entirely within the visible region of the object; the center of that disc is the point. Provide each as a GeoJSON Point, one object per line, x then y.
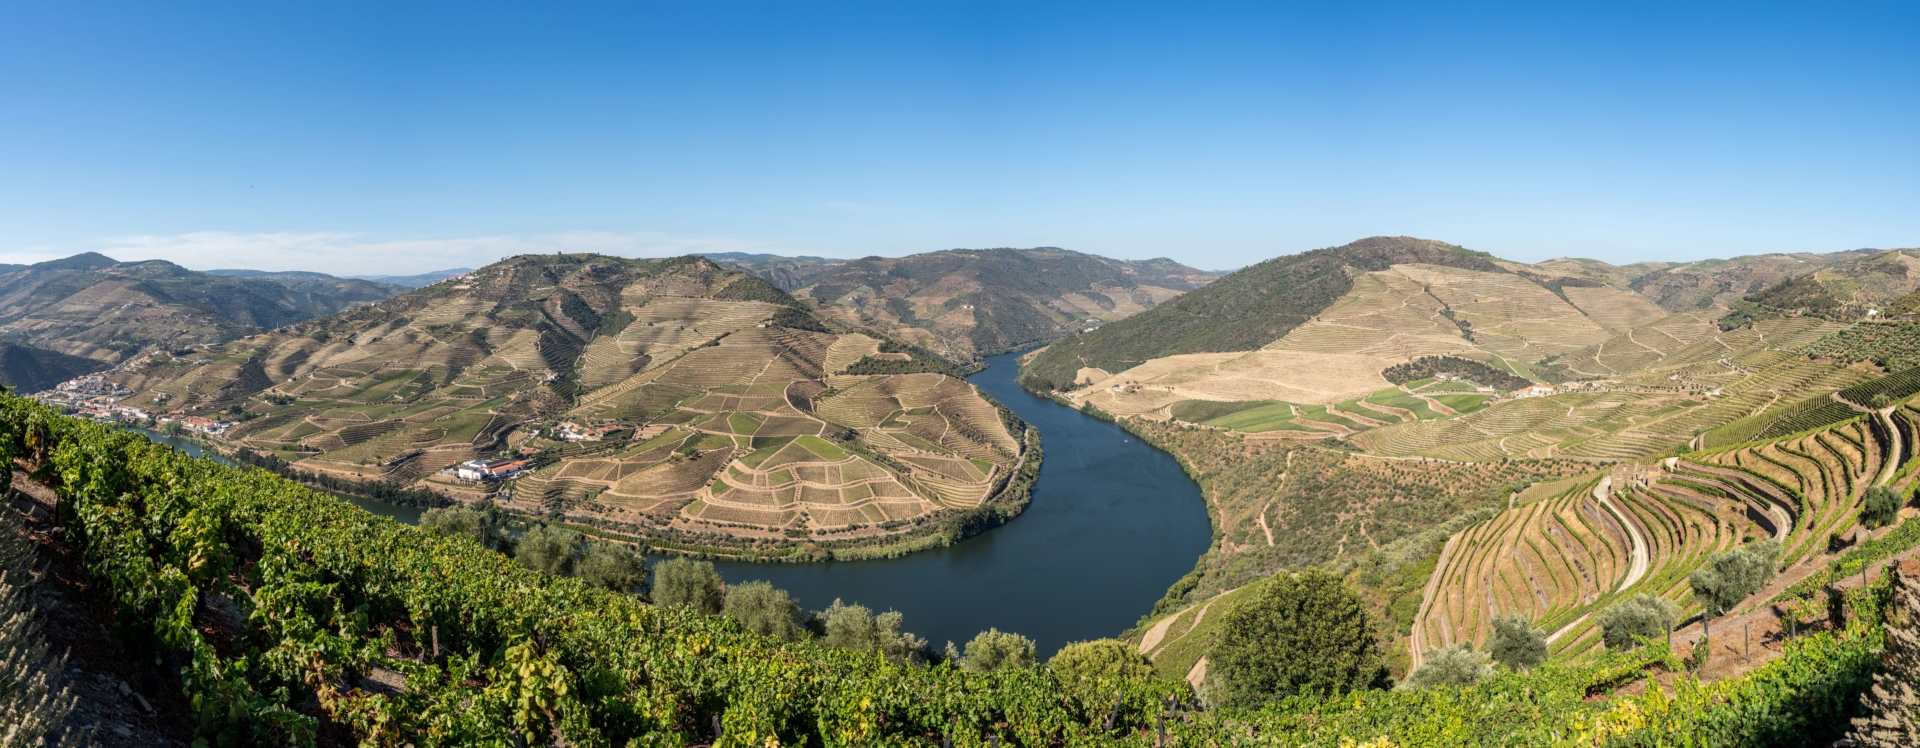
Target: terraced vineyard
{"type": "Point", "coordinates": [716, 426]}
{"type": "Point", "coordinates": [1563, 551]}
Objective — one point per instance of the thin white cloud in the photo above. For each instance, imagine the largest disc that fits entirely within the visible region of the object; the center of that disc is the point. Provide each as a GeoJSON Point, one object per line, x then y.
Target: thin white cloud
{"type": "Point", "coordinates": [356, 254]}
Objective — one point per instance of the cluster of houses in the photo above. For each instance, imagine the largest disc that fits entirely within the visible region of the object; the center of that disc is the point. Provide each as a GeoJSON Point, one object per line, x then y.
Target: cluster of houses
{"type": "Point", "coordinates": [573, 432]}
{"type": "Point", "coordinates": [486, 470]}
{"type": "Point", "coordinates": [203, 425]}
{"type": "Point", "coordinates": [1542, 390]}
{"type": "Point", "coordinates": [92, 396]}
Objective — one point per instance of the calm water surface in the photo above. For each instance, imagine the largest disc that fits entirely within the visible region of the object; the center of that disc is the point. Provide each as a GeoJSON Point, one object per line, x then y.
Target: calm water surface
{"type": "Point", "coordinates": [1113, 522]}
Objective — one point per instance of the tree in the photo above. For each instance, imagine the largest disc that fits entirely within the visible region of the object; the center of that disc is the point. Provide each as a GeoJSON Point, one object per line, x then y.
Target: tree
{"type": "Point", "coordinates": [1642, 616]}
{"type": "Point", "coordinates": [1093, 665]}
{"type": "Point", "coordinates": [1516, 643]}
{"type": "Point", "coordinates": [994, 649]}
{"type": "Point", "coordinates": [1893, 702]}
{"type": "Point", "coordinates": [458, 522]}
{"type": "Point", "coordinates": [1458, 665]}
{"type": "Point", "coordinates": [1880, 505]}
{"type": "Point", "coordinates": [855, 628]}
{"type": "Point", "coordinates": [613, 566]}
{"type": "Point", "coordinates": [686, 583]}
{"type": "Point", "coordinates": [548, 549]}
{"type": "Point", "coordinates": [1296, 631]}
{"type": "Point", "coordinates": [766, 610]}
{"type": "Point", "coordinates": [1730, 577]}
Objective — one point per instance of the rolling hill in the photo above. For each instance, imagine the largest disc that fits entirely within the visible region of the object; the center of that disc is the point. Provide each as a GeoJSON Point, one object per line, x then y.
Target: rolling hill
{"type": "Point", "coordinates": [965, 303]}
{"type": "Point", "coordinates": [717, 411]}
{"type": "Point", "coordinates": [93, 306]}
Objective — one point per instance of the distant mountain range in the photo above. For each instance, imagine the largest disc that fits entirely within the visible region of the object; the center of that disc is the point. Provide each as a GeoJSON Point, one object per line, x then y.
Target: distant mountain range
{"type": "Point", "coordinates": [94, 306]}
{"type": "Point", "coordinates": [406, 282]}
{"type": "Point", "coordinates": [415, 281]}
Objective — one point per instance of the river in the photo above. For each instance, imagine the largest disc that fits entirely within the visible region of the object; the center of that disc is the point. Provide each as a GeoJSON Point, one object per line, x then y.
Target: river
{"type": "Point", "coordinates": [1113, 523]}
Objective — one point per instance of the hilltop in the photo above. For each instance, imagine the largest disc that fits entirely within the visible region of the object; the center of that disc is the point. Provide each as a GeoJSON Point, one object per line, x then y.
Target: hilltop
{"type": "Point", "coordinates": [674, 400]}
{"type": "Point", "coordinates": [94, 306]}
{"type": "Point", "coordinates": [965, 303]}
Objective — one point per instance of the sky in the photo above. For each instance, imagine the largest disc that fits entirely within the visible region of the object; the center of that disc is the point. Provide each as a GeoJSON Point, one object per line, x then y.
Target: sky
{"type": "Point", "coordinates": [374, 138]}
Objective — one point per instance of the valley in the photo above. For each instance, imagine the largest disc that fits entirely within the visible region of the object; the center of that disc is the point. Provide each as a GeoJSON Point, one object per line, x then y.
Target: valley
{"type": "Point", "coordinates": [1453, 437]}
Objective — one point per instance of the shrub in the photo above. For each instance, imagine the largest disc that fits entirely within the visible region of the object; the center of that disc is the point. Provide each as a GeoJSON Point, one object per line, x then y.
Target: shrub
{"type": "Point", "coordinates": [612, 566]}
{"type": "Point", "coordinates": [1730, 577]}
{"type": "Point", "coordinates": [1516, 643]}
{"type": "Point", "coordinates": [1087, 665]}
{"type": "Point", "coordinates": [1296, 631]}
{"type": "Point", "coordinates": [686, 583]}
{"type": "Point", "coordinates": [854, 627]}
{"type": "Point", "coordinates": [1642, 616]}
{"type": "Point", "coordinates": [994, 649]}
{"type": "Point", "coordinates": [1458, 665]}
{"type": "Point", "coordinates": [765, 609]}
{"type": "Point", "coordinates": [458, 522]}
{"type": "Point", "coordinates": [548, 549]}
{"type": "Point", "coordinates": [1880, 506]}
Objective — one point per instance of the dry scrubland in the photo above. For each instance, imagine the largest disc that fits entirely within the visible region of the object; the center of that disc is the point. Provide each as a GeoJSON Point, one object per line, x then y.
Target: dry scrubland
{"type": "Point", "coordinates": [733, 425]}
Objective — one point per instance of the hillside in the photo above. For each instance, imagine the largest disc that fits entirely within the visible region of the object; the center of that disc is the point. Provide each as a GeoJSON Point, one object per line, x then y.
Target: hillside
{"type": "Point", "coordinates": [1877, 284]}
{"type": "Point", "coordinates": [93, 306]}
{"type": "Point", "coordinates": [449, 640]}
{"type": "Point", "coordinates": [671, 399]}
{"type": "Point", "coordinates": [1244, 310]}
{"type": "Point", "coordinates": [28, 370]}
{"type": "Point", "coordinates": [964, 303]}
{"type": "Point", "coordinates": [1703, 284]}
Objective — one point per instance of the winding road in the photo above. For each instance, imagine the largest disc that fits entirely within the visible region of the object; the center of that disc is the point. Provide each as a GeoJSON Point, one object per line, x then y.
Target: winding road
{"type": "Point", "coordinates": [1636, 570]}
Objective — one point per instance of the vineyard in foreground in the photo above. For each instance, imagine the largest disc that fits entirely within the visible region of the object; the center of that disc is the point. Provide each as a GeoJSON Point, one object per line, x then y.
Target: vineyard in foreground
{"type": "Point", "coordinates": [339, 606]}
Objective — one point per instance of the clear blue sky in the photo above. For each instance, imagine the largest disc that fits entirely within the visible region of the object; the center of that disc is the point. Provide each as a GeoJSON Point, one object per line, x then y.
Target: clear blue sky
{"type": "Point", "coordinates": [358, 138]}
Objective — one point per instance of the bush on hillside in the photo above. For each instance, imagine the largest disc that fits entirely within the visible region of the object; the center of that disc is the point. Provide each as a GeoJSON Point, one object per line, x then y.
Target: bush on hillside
{"type": "Point", "coordinates": [994, 649]}
{"type": "Point", "coordinates": [548, 549]}
{"type": "Point", "coordinates": [1516, 643]}
{"type": "Point", "coordinates": [465, 522]}
{"type": "Point", "coordinates": [1296, 631]}
{"type": "Point", "coordinates": [686, 583]}
{"type": "Point", "coordinates": [612, 566]}
{"type": "Point", "coordinates": [1641, 617]}
{"type": "Point", "coordinates": [1879, 507]}
{"type": "Point", "coordinates": [766, 610]}
{"type": "Point", "coordinates": [1088, 665]}
{"type": "Point", "coordinates": [856, 628]}
{"type": "Point", "coordinates": [1458, 665]}
{"type": "Point", "coordinates": [1732, 576]}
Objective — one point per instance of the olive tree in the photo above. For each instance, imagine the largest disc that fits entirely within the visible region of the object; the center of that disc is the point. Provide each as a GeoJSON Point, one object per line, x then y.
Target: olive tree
{"type": "Point", "coordinates": [686, 583]}
{"type": "Point", "coordinates": [765, 609]}
{"type": "Point", "coordinates": [1458, 665]}
{"type": "Point", "coordinates": [1879, 506]}
{"type": "Point", "coordinates": [994, 649]}
{"type": "Point", "coordinates": [1516, 643]}
{"type": "Point", "coordinates": [1296, 631]}
{"type": "Point", "coordinates": [856, 628]}
{"type": "Point", "coordinates": [613, 566]}
{"type": "Point", "coordinates": [1094, 664]}
{"type": "Point", "coordinates": [1642, 616]}
{"type": "Point", "coordinates": [548, 549]}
